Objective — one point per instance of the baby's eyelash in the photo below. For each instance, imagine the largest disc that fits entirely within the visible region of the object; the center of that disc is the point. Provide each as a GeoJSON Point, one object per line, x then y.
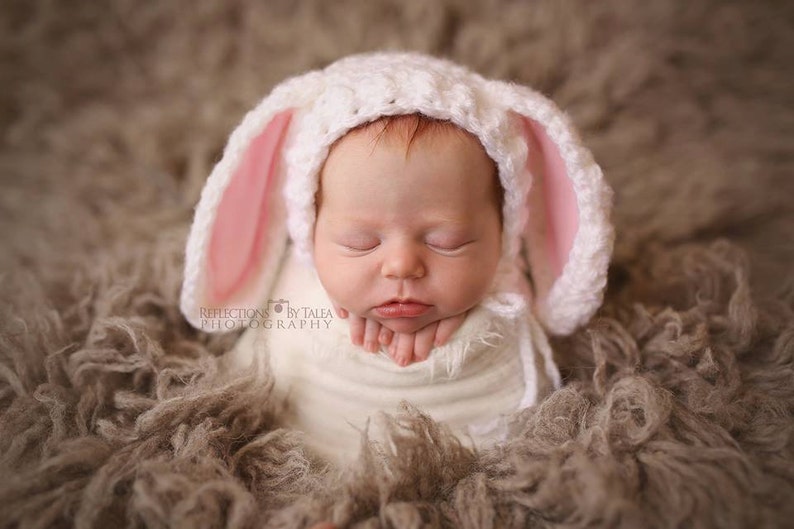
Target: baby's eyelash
{"type": "Point", "coordinates": [450, 248]}
{"type": "Point", "coordinates": [360, 247]}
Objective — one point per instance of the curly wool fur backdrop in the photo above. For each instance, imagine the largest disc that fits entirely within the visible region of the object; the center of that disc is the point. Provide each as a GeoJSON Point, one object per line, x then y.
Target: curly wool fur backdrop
{"type": "Point", "coordinates": [677, 406]}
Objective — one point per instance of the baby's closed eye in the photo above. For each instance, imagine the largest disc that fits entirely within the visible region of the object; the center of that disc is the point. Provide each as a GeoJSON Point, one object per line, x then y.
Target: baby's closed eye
{"type": "Point", "coordinates": [448, 244]}
{"type": "Point", "coordinates": [358, 243]}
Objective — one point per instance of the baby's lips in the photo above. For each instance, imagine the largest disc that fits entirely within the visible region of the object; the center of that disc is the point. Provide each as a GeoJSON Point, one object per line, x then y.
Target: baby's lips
{"type": "Point", "coordinates": [401, 309]}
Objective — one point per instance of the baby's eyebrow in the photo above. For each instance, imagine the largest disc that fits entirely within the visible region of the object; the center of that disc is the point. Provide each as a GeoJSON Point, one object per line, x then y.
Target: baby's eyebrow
{"type": "Point", "coordinates": [358, 221]}
{"type": "Point", "coordinates": [454, 222]}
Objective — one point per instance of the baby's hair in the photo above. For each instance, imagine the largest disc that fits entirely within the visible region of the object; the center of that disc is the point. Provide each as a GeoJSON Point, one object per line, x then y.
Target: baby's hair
{"type": "Point", "coordinates": [406, 128]}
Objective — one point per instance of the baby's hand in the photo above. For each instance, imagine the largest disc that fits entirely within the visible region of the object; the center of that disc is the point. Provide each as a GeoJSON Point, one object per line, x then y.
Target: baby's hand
{"type": "Point", "coordinates": [403, 348]}
{"type": "Point", "coordinates": [365, 333]}
{"type": "Point", "coordinates": [415, 347]}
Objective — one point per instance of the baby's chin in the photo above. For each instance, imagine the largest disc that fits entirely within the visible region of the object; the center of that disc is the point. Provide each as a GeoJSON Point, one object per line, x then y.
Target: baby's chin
{"type": "Point", "coordinates": [405, 325]}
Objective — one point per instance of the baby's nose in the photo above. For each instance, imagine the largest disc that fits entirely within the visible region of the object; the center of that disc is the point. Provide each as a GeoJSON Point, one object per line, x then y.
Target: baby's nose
{"type": "Point", "coordinates": [403, 261]}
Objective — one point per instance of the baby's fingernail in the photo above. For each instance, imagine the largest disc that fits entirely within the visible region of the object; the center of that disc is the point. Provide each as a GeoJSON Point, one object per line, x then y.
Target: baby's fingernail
{"type": "Point", "coordinates": [371, 347]}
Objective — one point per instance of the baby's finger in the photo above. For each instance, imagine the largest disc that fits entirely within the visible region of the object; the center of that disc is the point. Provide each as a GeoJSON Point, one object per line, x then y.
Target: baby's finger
{"type": "Point", "coordinates": [357, 329]}
{"type": "Point", "coordinates": [404, 352]}
{"type": "Point", "coordinates": [423, 342]}
{"type": "Point", "coordinates": [447, 327]}
{"type": "Point", "coordinates": [386, 335]}
{"type": "Point", "coordinates": [371, 332]}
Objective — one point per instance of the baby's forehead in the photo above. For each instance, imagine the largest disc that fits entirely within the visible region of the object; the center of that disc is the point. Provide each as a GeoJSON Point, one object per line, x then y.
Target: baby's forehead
{"type": "Point", "coordinates": [439, 148]}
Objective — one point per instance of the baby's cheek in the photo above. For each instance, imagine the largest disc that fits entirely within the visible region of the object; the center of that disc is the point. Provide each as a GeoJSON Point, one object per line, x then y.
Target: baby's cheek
{"type": "Point", "coordinates": [464, 287]}
{"type": "Point", "coordinates": [328, 272]}
{"type": "Point", "coordinates": [342, 285]}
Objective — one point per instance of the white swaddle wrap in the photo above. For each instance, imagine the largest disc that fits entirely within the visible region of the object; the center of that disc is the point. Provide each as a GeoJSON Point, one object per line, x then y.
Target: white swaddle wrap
{"type": "Point", "coordinates": [494, 365]}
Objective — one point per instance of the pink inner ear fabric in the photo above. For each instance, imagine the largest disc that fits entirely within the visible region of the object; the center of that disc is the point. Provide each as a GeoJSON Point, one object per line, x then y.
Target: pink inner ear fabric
{"type": "Point", "coordinates": [238, 238]}
{"type": "Point", "coordinates": [562, 212]}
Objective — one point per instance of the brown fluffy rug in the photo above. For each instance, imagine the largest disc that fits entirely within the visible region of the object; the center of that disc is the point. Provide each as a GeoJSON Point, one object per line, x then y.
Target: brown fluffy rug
{"type": "Point", "coordinates": [678, 401]}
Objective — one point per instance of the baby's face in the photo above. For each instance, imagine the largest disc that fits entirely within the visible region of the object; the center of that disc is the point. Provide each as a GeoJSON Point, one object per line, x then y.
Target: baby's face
{"type": "Point", "coordinates": [407, 238]}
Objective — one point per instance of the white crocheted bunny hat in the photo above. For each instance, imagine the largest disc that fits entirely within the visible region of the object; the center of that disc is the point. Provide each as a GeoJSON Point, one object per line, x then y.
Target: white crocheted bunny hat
{"type": "Point", "coordinates": [261, 193]}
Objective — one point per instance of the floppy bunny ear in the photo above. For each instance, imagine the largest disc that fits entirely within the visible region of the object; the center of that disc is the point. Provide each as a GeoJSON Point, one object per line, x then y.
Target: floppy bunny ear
{"type": "Point", "coordinates": [553, 212]}
{"type": "Point", "coordinates": [238, 234]}
{"type": "Point", "coordinates": [238, 237]}
{"type": "Point", "coordinates": [568, 236]}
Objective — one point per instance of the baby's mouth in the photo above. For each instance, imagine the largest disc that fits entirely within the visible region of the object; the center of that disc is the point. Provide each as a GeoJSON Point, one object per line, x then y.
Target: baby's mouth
{"type": "Point", "coordinates": [401, 309]}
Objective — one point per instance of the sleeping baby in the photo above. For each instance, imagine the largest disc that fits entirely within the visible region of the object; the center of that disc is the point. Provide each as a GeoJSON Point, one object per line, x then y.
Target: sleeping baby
{"type": "Point", "coordinates": [449, 221]}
